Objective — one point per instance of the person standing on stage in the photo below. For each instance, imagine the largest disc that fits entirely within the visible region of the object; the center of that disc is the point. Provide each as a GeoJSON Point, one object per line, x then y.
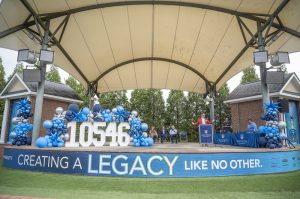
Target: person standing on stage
{"type": "Point", "coordinates": [252, 128]}
{"type": "Point", "coordinates": [173, 134]}
{"type": "Point", "coordinates": [201, 120]}
{"type": "Point", "coordinates": [153, 134]}
{"type": "Point", "coordinates": [226, 126]}
{"type": "Point", "coordinates": [163, 134]}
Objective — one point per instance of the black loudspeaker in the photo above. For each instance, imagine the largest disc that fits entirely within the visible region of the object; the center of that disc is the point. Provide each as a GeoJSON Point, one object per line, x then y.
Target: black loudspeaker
{"type": "Point", "coordinates": [283, 105]}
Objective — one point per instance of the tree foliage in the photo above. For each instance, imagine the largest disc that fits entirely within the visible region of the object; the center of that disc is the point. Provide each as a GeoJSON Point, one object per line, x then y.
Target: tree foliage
{"type": "Point", "coordinates": [194, 106]}
{"type": "Point", "coordinates": [150, 105]}
{"type": "Point", "coordinates": [2, 85]}
{"type": "Point", "coordinates": [18, 69]}
{"type": "Point", "coordinates": [79, 89]}
{"type": "Point", "coordinates": [175, 109]}
{"type": "Point", "coordinates": [53, 75]}
{"type": "Point", "coordinates": [222, 110]}
{"type": "Point", "coordinates": [249, 75]}
{"type": "Point", "coordinates": [112, 99]}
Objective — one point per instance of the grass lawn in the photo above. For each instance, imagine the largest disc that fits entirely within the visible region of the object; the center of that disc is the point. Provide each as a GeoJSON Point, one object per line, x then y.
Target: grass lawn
{"type": "Point", "coordinates": [24, 183]}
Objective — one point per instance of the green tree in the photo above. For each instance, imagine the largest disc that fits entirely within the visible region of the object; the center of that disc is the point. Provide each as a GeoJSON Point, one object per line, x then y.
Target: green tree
{"type": "Point", "coordinates": [175, 109]}
{"type": "Point", "coordinates": [2, 85]}
{"type": "Point", "coordinates": [194, 106]}
{"type": "Point", "coordinates": [150, 105]}
{"type": "Point", "coordinates": [18, 69]}
{"type": "Point", "coordinates": [222, 110]}
{"type": "Point", "coordinates": [249, 75]}
{"type": "Point", "coordinates": [112, 99]}
{"type": "Point", "coordinates": [79, 89]}
{"type": "Point", "coordinates": [53, 75]}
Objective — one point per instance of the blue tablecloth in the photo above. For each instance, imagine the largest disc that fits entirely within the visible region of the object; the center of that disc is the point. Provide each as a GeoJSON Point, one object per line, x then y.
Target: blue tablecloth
{"type": "Point", "coordinates": [237, 139]}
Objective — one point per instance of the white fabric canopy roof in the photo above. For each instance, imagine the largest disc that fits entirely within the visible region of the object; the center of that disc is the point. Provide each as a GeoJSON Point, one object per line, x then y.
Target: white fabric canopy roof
{"type": "Point", "coordinates": [151, 44]}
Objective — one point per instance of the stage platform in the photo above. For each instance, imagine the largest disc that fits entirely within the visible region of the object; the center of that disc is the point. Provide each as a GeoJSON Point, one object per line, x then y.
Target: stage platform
{"type": "Point", "coordinates": [165, 148]}
{"type": "Point", "coordinates": [160, 160]}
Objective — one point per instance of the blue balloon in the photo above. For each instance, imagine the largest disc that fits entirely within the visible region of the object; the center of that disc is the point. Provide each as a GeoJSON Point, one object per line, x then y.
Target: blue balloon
{"type": "Point", "coordinates": [13, 135]}
{"type": "Point", "coordinates": [272, 146]}
{"type": "Point", "coordinates": [97, 108]}
{"type": "Point", "coordinates": [86, 110]}
{"type": "Point", "coordinates": [41, 142]}
{"type": "Point", "coordinates": [74, 108]}
{"type": "Point", "coordinates": [144, 127]}
{"type": "Point", "coordinates": [47, 124]}
{"type": "Point", "coordinates": [261, 129]}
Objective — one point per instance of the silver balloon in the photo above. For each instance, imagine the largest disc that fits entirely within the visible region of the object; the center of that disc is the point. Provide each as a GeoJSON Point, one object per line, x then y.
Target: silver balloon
{"type": "Point", "coordinates": [129, 119]}
{"type": "Point", "coordinates": [134, 113]}
{"type": "Point", "coordinates": [281, 125]}
{"type": "Point", "coordinates": [145, 135]}
{"type": "Point", "coordinates": [59, 110]}
{"type": "Point", "coordinates": [67, 136]}
{"type": "Point", "coordinates": [15, 120]}
{"type": "Point", "coordinates": [114, 110]}
{"type": "Point", "coordinates": [25, 120]}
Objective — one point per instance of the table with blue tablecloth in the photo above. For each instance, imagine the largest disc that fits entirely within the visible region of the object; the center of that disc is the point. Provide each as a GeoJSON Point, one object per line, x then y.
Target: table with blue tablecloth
{"type": "Point", "coordinates": [243, 139]}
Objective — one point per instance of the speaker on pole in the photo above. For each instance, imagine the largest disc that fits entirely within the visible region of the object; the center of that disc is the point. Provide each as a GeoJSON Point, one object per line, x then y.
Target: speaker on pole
{"type": "Point", "coordinates": [283, 105]}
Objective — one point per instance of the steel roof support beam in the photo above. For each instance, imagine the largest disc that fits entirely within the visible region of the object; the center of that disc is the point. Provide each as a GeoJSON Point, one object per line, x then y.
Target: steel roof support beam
{"type": "Point", "coordinates": [251, 16]}
{"type": "Point", "coordinates": [41, 23]}
{"type": "Point", "coordinates": [261, 29]}
{"type": "Point", "coordinates": [152, 59]}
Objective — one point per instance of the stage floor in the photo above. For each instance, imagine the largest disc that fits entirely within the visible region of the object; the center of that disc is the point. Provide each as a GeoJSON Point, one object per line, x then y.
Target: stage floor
{"type": "Point", "coordinates": [166, 148]}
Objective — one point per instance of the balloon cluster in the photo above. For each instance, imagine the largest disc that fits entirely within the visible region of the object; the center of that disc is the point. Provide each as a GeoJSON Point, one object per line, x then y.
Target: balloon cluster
{"type": "Point", "coordinates": [56, 134]}
{"type": "Point", "coordinates": [271, 129]}
{"type": "Point", "coordinates": [118, 114]}
{"type": "Point", "coordinates": [138, 131]}
{"type": "Point", "coordinates": [74, 114]}
{"type": "Point", "coordinates": [19, 135]}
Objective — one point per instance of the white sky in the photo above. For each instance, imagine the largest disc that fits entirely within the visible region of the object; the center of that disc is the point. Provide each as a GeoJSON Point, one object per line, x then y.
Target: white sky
{"type": "Point", "coordinates": [9, 60]}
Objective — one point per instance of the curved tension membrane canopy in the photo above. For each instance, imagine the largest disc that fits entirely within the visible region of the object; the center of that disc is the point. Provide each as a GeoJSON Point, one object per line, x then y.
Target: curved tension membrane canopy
{"type": "Point", "coordinates": [185, 45]}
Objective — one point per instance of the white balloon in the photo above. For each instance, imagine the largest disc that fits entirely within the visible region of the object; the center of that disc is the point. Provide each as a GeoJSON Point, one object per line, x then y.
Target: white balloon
{"type": "Point", "coordinates": [15, 120]}
{"type": "Point", "coordinates": [67, 136]}
{"type": "Point", "coordinates": [145, 135]}
{"type": "Point", "coordinates": [114, 110]}
{"type": "Point", "coordinates": [129, 119]}
{"type": "Point", "coordinates": [59, 110]}
{"type": "Point", "coordinates": [281, 125]}
{"type": "Point", "coordinates": [134, 113]}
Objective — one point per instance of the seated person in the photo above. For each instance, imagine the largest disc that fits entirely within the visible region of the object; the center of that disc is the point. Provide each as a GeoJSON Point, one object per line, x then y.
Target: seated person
{"type": "Point", "coordinates": [173, 134]}
{"type": "Point", "coordinates": [153, 134]}
{"type": "Point", "coordinates": [163, 134]}
{"type": "Point", "coordinates": [252, 128]}
{"type": "Point", "coordinates": [201, 120]}
{"type": "Point", "coordinates": [226, 126]}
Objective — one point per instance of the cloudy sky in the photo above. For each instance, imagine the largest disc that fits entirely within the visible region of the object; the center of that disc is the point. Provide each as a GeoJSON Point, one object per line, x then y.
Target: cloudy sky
{"type": "Point", "coordinates": [9, 60]}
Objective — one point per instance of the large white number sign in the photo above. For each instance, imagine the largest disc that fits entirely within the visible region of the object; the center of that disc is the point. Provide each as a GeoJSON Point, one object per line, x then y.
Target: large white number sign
{"type": "Point", "coordinates": [89, 129]}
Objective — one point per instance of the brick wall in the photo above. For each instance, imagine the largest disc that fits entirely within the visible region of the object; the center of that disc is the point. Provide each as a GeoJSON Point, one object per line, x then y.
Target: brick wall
{"type": "Point", "coordinates": [242, 111]}
{"type": "Point", "coordinates": [49, 107]}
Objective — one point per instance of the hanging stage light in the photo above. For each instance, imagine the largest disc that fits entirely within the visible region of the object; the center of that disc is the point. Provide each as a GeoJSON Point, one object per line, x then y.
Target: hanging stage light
{"type": "Point", "coordinates": [280, 58]}
{"type": "Point", "coordinates": [26, 55]}
{"type": "Point", "coordinates": [260, 57]}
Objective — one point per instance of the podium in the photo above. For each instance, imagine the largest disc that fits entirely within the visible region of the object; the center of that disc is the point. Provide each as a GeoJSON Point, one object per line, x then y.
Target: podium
{"type": "Point", "coordinates": [206, 132]}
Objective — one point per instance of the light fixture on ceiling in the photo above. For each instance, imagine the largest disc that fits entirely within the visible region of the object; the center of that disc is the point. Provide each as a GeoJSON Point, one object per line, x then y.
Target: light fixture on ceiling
{"type": "Point", "coordinates": [260, 57]}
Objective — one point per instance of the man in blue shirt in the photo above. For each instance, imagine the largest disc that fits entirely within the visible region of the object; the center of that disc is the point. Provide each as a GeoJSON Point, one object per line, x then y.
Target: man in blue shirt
{"type": "Point", "coordinates": [252, 128]}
